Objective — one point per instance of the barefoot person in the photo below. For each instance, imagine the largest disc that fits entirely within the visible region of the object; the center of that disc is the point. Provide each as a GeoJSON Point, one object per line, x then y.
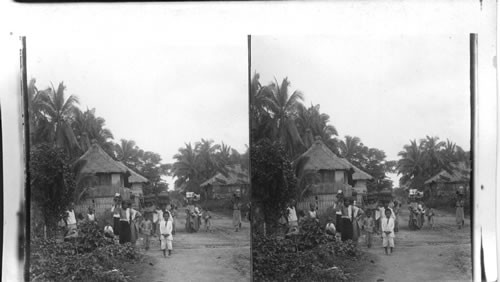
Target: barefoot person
{"type": "Point", "coordinates": [388, 231]}
{"type": "Point", "coordinates": [166, 236]}
{"type": "Point", "coordinates": [207, 217]}
{"type": "Point", "coordinates": [147, 229]}
{"type": "Point", "coordinates": [430, 216]}
{"type": "Point", "coordinates": [134, 222]}
{"type": "Point", "coordinates": [357, 213]}
{"type": "Point", "coordinates": [460, 220]}
{"type": "Point", "coordinates": [369, 227]}
{"type": "Point", "coordinates": [236, 213]}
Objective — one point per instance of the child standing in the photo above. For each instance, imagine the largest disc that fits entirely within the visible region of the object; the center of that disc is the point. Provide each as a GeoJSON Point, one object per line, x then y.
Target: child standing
{"type": "Point", "coordinates": [388, 231]}
{"type": "Point", "coordinates": [430, 216]}
{"type": "Point", "coordinates": [91, 214]}
{"type": "Point", "coordinates": [166, 236]}
{"type": "Point", "coordinates": [369, 227]}
{"type": "Point", "coordinates": [208, 220]}
{"type": "Point", "coordinates": [147, 230]}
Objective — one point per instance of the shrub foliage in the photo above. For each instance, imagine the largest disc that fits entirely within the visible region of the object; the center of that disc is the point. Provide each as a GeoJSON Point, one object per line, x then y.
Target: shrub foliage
{"type": "Point", "coordinates": [89, 257]}
{"type": "Point", "coordinates": [309, 256]}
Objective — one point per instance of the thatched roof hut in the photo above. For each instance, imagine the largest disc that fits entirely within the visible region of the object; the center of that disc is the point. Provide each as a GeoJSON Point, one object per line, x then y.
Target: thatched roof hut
{"type": "Point", "coordinates": [98, 161]}
{"type": "Point", "coordinates": [235, 176]}
{"type": "Point", "coordinates": [224, 185]}
{"type": "Point", "coordinates": [320, 157]}
{"type": "Point", "coordinates": [460, 174]}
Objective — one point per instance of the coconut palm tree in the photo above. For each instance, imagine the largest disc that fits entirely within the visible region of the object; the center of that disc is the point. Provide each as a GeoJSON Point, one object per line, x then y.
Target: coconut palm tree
{"type": "Point", "coordinates": [87, 127]}
{"type": "Point", "coordinates": [312, 123]}
{"type": "Point", "coordinates": [433, 156]}
{"type": "Point", "coordinates": [261, 122]}
{"type": "Point", "coordinates": [39, 125]}
{"type": "Point", "coordinates": [353, 150]}
{"type": "Point", "coordinates": [283, 111]}
{"type": "Point", "coordinates": [411, 165]}
{"type": "Point", "coordinates": [185, 168]}
{"type": "Point", "coordinates": [59, 113]}
{"type": "Point", "coordinates": [129, 153]}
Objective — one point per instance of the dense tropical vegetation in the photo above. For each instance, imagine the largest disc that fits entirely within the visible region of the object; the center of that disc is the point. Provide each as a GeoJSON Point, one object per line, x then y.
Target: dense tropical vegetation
{"type": "Point", "coordinates": [423, 159]}
{"type": "Point", "coordinates": [195, 164]}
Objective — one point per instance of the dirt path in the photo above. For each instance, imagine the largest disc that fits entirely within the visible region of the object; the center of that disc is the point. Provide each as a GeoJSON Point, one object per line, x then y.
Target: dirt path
{"type": "Point", "coordinates": [223, 255]}
{"type": "Point", "coordinates": [439, 254]}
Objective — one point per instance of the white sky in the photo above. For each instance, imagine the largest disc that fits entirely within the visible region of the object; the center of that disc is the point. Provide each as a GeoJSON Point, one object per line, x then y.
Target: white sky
{"type": "Point", "coordinates": [159, 92]}
{"type": "Point", "coordinates": [384, 89]}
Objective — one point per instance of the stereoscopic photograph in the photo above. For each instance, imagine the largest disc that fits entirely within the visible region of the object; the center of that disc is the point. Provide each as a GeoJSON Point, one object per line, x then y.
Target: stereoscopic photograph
{"type": "Point", "coordinates": [361, 157]}
{"type": "Point", "coordinates": [138, 158]}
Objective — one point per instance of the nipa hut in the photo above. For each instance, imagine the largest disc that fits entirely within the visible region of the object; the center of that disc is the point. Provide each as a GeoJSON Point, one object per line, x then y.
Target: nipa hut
{"type": "Point", "coordinates": [446, 184]}
{"type": "Point", "coordinates": [107, 178]}
{"type": "Point", "coordinates": [333, 174]}
{"type": "Point", "coordinates": [137, 182]}
{"type": "Point", "coordinates": [223, 186]}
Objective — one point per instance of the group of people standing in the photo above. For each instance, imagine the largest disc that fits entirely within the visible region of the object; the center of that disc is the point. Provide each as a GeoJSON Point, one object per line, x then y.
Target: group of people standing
{"type": "Point", "coordinates": [350, 220]}
{"type": "Point", "coordinates": [129, 223]}
{"type": "Point", "coordinates": [196, 216]}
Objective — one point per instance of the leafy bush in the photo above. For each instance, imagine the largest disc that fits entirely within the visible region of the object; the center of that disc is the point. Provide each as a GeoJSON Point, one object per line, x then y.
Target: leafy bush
{"type": "Point", "coordinates": [309, 256]}
{"type": "Point", "coordinates": [52, 182]}
{"type": "Point", "coordinates": [89, 257]}
{"type": "Point", "coordinates": [273, 179]}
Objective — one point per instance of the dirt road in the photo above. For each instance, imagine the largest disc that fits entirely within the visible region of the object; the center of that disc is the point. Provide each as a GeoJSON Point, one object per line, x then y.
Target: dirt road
{"type": "Point", "coordinates": [439, 254]}
{"type": "Point", "coordinates": [223, 255]}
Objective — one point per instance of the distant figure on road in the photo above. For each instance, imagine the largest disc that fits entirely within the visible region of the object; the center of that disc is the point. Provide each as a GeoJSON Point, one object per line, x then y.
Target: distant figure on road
{"type": "Point", "coordinates": [460, 212]}
{"type": "Point", "coordinates": [207, 217]}
{"type": "Point", "coordinates": [430, 216]}
{"type": "Point", "coordinates": [388, 231]}
{"type": "Point", "coordinates": [236, 203]}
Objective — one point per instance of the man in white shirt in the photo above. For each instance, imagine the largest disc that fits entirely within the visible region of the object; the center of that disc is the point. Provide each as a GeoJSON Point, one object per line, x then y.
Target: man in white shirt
{"type": "Point", "coordinates": [166, 236]}
{"type": "Point", "coordinates": [388, 231]}
{"type": "Point", "coordinates": [292, 215]}
{"type": "Point", "coordinates": [115, 209]}
{"type": "Point", "coordinates": [71, 219]}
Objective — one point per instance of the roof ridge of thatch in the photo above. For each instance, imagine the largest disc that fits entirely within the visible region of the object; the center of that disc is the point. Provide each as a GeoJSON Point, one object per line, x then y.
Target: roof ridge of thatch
{"type": "Point", "coordinates": [98, 161]}
{"type": "Point", "coordinates": [234, 176]}
{"type": "Point", "coordinates": [321, 157]}
{"type": "Point", "coordinates": [458, 173]}
{"type": "Point", "coordinates": [360, 174]}
{"type": "Point", "coordinates": [136, 177]}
